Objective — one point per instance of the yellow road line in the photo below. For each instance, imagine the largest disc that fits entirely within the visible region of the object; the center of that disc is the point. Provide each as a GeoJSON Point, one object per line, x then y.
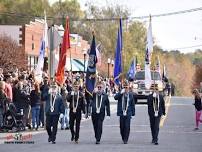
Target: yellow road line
{"type": "Point", "coordinates": [167, 102]}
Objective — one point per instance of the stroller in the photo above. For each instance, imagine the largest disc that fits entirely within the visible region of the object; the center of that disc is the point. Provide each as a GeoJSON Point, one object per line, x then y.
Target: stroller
{"type": "Point", "coordinates": [13, 121]}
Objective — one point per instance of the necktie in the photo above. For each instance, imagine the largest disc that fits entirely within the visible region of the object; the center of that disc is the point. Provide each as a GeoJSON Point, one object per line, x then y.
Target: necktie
{"type": "Point", "coordinates": [125, 101]}
{"type": "Point", "coordinates": [99, 98]}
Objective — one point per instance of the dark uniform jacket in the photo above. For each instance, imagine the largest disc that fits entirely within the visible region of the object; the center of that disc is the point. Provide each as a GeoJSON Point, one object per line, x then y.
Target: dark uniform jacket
{"type": "Point", "coordinates": [104, 107]}
{"type": "Point", "coordinates": [58, 107]}
{"type": "Point", "coordinates": [81, 103]}
{"type": "Point", "coordinates": [161, 105]}
{"type": "Point", "coordinates": [131, 104]}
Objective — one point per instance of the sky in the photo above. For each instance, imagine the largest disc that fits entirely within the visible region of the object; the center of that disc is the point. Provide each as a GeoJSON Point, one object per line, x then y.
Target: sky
{"type": "Point", "coordinates": [178, 32]}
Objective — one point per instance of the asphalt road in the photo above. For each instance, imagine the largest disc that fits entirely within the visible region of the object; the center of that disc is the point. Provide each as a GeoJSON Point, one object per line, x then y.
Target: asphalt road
{"type": "Point", "coordinates": [176, 134]}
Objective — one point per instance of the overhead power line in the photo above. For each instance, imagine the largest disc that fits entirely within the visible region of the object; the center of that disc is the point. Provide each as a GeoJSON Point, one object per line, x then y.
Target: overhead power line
{"type": "Point", "coordinates": [186, 47]}
{"type": "Point", "coordinates": [105, 19]}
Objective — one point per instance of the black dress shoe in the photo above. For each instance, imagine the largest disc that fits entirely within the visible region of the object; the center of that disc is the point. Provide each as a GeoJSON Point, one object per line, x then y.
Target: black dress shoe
{"type": "Point", "coordinates": [76, 141]}
{"type": "Point", "coordinates": [62, 128]}
{"type": "Point", "coordinates": [156, 143]}
{"type": "Point", "coordinates": [49, 139]}
{"type": "Point", "coordinates": [67, 128]}
{"type": "Point", "coordinates": [125, 142]}
{"type": "Point", "coordinates": [97, 142]}
{"type": "Point", "coordinates": [72, 139]}
{"type": "Point", "coordinates": [53, 142]}
{"type": "Point", "coordinates": [29, 126]}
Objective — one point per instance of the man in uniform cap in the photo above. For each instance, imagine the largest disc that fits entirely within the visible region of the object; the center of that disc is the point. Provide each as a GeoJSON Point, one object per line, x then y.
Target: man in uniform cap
{"type": "Point", "coordinates": [76, 99]}
{"type": "Point", "coordinates": [54, 107]}
{"type": "Point", "coordinates": [125, 109]}
{"type": "Point", "coordinates": [100, 104]}
{"type": "Point", "coordinates": [156, 108]}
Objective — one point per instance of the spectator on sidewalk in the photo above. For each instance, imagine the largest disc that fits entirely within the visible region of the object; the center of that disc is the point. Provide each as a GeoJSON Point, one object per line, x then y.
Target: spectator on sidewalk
{"type": "Point", "coordinates": [35, 99]}
{"type": "Point", "coordinates": [198, 107]}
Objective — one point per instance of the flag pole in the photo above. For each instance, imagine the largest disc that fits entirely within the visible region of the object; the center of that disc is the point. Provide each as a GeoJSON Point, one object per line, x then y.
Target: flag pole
{"type": "Point", "coordinates": [93, 34]}
{"type": "Point", "coordinates": [51, 54]}
{"type": "Point", "coordinates": [123, 57]}
{"type": "Point", "coordinates": [70, 55]}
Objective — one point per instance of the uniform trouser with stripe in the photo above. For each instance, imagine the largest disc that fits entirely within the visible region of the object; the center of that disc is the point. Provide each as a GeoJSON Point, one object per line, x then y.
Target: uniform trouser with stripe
{"type": "Point", "coordinates": [72, 118]}
{"type": "Point", "coordinates": [97, 125]}
{"type": "Point", "coordinates": [154, 125]}
{"type": "Point", "coordinates": [125, 127]}
{"type": "Point", "coordinates": [52, 125]}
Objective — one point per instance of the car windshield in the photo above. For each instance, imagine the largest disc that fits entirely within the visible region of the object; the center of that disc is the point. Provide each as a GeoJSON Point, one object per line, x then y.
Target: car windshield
{"type": "Point", "coordinates": [140, 75]}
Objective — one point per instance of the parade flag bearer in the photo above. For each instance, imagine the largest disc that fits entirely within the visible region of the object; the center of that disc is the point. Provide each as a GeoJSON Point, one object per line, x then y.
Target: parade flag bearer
{"type": "Point", "coordinates": [125, 109]}
{"type": "Point", "coordinates": [54, 107]}
{"type": "Point", "coordinates": [156, 108]}
{"type": "Point", "coordinates": [100, 104]}
{"type": "Point", "coordinates": [77, 104]}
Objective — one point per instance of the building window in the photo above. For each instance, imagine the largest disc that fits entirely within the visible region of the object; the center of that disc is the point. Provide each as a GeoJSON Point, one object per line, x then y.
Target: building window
{"type": "Point", "coordinates": [32, 46]}
{"type": "Point", "coordinates": [32, 62]}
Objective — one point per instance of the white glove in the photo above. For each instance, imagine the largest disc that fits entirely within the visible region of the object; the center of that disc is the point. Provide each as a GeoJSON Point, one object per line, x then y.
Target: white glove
{"type": "Point", "coordinates": [72, 93]}
{"type": "Point", "coordinates": [108, 117]}
{"type": "Point", "coordinates": [66, 92]}
{"type": "Point", "coordinates": [122, 91]}
{"type": "Point", "coordinates": [163, 116]}
{"type": "Point", "coordinates": [96, 90]}
{"type": "Point", "coordinates": [154, 95]}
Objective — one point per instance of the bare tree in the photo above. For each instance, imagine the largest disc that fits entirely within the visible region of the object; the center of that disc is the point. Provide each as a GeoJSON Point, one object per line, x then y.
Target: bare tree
{"type": "Point", "coordinates": [11, 55]}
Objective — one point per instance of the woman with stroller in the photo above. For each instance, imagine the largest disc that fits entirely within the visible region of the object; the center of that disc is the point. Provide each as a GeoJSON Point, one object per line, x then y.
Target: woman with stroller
{"type": "Point", "coordinates": [35, 98]}
{"type": "Point", "coordinates": [21, 101]}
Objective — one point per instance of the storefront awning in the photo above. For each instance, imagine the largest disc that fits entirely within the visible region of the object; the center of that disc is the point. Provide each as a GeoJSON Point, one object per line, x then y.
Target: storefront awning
{"type": "Point", "coordinates": [77, 65]}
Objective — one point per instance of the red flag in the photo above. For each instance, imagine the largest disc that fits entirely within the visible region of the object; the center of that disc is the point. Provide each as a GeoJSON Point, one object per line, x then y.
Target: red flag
{"type": "Point", "coordinates": [62, 60]}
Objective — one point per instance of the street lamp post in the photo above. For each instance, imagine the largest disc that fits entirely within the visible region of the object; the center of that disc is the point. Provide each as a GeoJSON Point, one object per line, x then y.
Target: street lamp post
{"type": "Point", "coordinates": [112, 63]}
{"type": "Point", "coordinates": [84, 62]}
{"type": "Point", "coordinates": [108, 63]}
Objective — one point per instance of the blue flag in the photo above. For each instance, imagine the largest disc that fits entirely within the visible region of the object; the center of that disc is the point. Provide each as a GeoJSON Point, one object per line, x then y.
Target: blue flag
{"type": "Point", "coordinates": [91, 69]}
{"type": "Point", "coordinates": [118, 56]}
{"type": "Point", "coordinates": [131, 71]}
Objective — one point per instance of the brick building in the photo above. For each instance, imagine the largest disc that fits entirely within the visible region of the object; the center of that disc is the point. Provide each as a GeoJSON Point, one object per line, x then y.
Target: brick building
{"type": "Point", "coordinates": [33, 33]}
{"type": "Point", "coordinates": [29, 36]}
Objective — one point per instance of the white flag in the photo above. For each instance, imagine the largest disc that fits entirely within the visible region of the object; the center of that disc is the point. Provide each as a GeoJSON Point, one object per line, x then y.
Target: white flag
{"type": "Point", "coordinates": [148, 53]}
{"type": "Point", "coordinates": [158, 68]}
{"type": "Point", "coordinates": [99, 59]}
{"type": "Point", "coordinates": [44, 46]}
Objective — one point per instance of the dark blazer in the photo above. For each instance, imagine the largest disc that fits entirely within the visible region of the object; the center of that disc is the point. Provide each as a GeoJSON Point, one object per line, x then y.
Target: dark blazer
{"type": "Point", "coordinates": [104, 107]}
{"type": "Point", "coordinates": [131, 105]}
{"type": "Point", "coordinates": [161, 105]}
{"type": "Point", "coordinates": [58, 107]}
{"type": "Point", "coordinates": [81, 104]}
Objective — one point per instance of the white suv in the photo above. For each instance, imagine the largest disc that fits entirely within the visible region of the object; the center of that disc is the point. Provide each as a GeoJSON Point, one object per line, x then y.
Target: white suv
{"type": "Point", "coordinates": [139, 84]}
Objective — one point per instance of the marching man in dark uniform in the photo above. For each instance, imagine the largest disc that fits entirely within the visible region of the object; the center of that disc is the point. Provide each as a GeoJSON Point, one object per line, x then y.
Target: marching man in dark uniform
{"type": "Point", "coordinates": [125, 109]}
{"type": "Point", "coordinates": [100, 104]}
{"type": "Point", "coordinates": [77, 104]}
{"type": "Point", "coordinates": [54, 107]}
{"type": "Point", "coordinates": [156, 108]}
